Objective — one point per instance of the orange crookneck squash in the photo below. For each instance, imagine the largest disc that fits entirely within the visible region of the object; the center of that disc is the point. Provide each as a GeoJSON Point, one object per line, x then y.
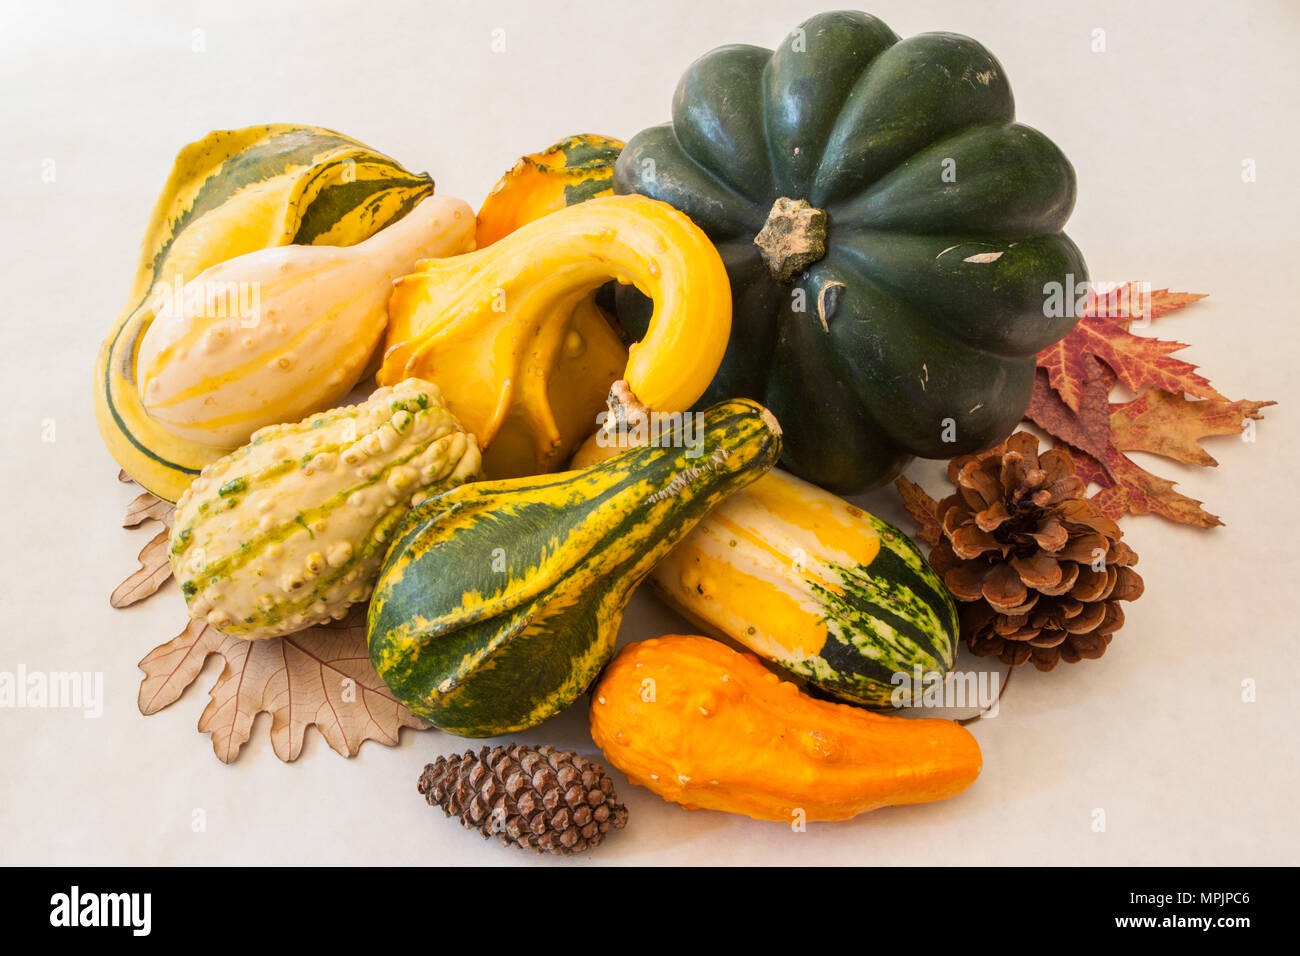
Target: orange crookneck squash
{"type": "Point", "coordinates": [704, 726]}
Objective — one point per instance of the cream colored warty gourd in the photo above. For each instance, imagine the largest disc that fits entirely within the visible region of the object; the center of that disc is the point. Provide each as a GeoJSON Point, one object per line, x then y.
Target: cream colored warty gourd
{"type": "Point", "coordinates": [289, 530]}
{"type": "Point", "coordinates": [274, 335]}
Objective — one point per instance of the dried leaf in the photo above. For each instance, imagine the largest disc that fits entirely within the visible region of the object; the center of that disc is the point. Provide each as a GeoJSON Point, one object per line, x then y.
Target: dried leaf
{"type": "Point", "coordinates": [1138, 491]}
{"type": "Point", "coordinates": [1126, 487]}
{"type": "Point", "coordinates": [1071, 400]}
{"type": "Point", "coordinates": [923, 509]}
{"type": "Point", "coordinates": [321, 676]}
{"type": "Point", "coordinates": [1139, 362]}
{"type": "Point", "coordinates": [1171, 425]}
{"type": "Point", "coordinates": [155, 569]}
{"type": "Point", "coordinates": [146, 507]}
{"type": "Point", "coordinates": [1089, 428]}
{"type": "Point", "coordinates": [123, 477]}
{"type": "Point", "coordinates": [155, 565]}
{"type": "Point", "coordinates": [1087, 467]}
{"type": "Point", "coordinates": [1065, 369]}
{"type": "Point", "coordinates": [1163, 301]}
{"type": "Point", "coordinates": [1117, 303]}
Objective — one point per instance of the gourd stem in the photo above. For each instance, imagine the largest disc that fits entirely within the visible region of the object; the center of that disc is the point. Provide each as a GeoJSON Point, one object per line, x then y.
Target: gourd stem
{"type": "Point", "coordinates": [623, 404]}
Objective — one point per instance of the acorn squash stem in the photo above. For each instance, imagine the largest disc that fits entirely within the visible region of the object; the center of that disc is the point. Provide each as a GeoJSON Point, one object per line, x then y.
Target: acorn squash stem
{"type": "Point", "coordinates": [792, 239]}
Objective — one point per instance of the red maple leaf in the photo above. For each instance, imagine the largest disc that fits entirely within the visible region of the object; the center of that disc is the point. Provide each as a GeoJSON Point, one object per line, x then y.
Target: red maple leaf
{"type": "Point", "coordinates": [1071, 402]}
{"type": "Point", "coordinates": [1103, 333]}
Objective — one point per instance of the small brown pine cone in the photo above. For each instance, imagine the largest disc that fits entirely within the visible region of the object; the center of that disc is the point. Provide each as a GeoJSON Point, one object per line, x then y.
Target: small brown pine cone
{"type": "Point", "coordinates": [543, 799]}
{"type": "Point", "coordinates": [1037, 569]}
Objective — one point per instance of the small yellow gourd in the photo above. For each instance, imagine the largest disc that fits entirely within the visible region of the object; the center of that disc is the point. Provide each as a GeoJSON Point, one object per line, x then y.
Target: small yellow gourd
{"type": "Point", "coordinates": [497, 329]}
{"type": "Point", "coordinates": [274, 335]}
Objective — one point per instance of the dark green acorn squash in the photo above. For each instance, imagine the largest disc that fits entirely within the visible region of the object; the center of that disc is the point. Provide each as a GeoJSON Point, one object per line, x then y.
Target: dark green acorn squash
{"type": "Point", "coordinates": [888, 229]}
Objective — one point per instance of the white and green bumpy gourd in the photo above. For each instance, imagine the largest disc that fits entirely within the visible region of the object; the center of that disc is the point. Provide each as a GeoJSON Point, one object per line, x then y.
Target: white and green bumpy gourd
{"type": "Point", "coordinates": [289, 530]}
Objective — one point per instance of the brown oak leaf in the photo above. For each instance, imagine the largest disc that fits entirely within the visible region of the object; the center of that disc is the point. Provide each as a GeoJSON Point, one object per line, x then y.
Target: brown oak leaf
{"type": "Point", "coordinates": [1171, 425]}
{"type": "Point", "coordinates": [321, 676]}
{"type": "Point", "coordinates": [155, 568]}
{"type": "Point", "coordinates": [155, 565]}
{"type": "Point", "coordinates": [146, 507]}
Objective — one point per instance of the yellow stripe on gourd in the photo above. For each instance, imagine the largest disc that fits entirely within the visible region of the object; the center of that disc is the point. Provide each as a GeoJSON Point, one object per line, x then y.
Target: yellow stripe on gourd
{"type": "Point", "coordinates": [837, 528]}
{"type": "Point", "coordinates": [707, 582]}
{"type": "Point", "coordinates": [230, 193]}
{"type": "Point", "coordinates": [750, 569]}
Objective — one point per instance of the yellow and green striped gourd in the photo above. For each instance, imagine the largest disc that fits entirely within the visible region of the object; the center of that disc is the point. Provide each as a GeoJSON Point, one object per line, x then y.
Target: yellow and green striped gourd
{"type": "Point", "coordinates": [500, 601]}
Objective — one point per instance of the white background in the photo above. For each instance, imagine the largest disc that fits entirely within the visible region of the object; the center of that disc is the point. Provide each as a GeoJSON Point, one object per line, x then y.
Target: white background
{"type": "Point", "coordinates": [1156, 734]}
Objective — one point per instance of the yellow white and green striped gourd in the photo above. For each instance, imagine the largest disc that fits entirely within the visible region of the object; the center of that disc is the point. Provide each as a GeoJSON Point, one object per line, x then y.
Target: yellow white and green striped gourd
{"type": "Point", "coordinates": [232, 192]}
{"type": "Point", "coordinates": [290, 530]}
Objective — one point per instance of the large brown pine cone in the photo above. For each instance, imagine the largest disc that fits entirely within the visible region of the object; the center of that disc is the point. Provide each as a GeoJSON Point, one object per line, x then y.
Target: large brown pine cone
{"type": "Point", "coordinates": [543, 799]}
{"type": "Point", "coordinates": [1038, 570]}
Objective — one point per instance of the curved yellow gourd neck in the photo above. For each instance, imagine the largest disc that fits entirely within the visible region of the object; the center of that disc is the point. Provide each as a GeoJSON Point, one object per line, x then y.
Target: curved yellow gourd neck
{"type": "Point", "coordinates": [504, 311]}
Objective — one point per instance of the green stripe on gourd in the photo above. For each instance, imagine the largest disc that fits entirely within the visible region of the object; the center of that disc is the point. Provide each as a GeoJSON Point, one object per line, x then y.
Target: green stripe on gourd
{"type": "Point", "coordinates": [500, 601]}
{"type": "Point", "coordinates": [892, 616]}
{"type": "Point", "coordinates": [885, 623]}
{"type": "Point", "coordinates": [588, 152]}
{"type": "Point", "coordinates": [594, 155]}
{"type": "Point", "coordinates": [279, 150]}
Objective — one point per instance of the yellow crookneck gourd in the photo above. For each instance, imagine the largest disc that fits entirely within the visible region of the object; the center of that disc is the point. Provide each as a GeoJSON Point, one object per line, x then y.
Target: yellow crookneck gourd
{"type": "Point", "coordinates": [274, 335]}
{"type": "Point", "coordinates": [522, 354]}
